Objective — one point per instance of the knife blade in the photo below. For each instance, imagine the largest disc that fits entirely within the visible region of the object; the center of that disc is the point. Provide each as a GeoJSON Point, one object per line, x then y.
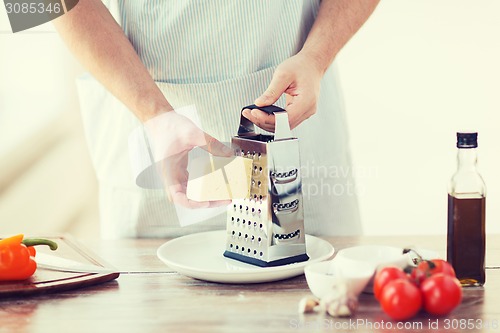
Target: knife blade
{"type": "Point", "coordinates": [55, 263]}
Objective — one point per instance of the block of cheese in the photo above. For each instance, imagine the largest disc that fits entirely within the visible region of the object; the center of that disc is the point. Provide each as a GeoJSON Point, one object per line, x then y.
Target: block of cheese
{"type": "Point", "coordinates": [225, 178]}
{"type": "Point", "coordinates": [239, 177]}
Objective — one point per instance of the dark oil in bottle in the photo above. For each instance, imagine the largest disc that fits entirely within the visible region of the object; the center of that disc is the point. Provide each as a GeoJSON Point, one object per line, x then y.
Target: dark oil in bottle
{"type": "Point", "coordinates": [466, 238]}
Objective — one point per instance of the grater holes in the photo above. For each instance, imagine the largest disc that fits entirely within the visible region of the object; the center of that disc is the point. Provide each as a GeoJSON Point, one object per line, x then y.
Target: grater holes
{"type": "Point", "coordinates": [248, 251]}
{"type": "Point", "coordinates": [288, 236]}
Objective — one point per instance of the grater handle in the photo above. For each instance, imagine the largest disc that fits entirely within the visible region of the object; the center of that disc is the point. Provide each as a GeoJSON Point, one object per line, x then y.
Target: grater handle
{"type": "Point", "coordinates": [282, 127]}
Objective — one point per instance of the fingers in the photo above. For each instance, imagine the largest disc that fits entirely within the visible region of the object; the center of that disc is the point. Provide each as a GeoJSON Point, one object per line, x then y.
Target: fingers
{"type": "Point", "coordinates": [218, 203]}
{"type": "Point", "coordinates": [177, 195]}
{"type": "Point", "coordinates": [279, 84]}
{"type": "Point", "coordinates": [175, 177]}
{"type": "Point", "coordinates": [300, 109]}
{"type": "Point", "coordinates": [215, 147]}
{"type": "Point", "coordinates": [301, 101]}
{"type": "Point", "coordinates": [260, 118]}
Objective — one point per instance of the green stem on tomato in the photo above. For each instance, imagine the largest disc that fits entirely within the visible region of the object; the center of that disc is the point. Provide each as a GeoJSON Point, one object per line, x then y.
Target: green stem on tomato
{"type": "Point", "coordinates": [417, 260]}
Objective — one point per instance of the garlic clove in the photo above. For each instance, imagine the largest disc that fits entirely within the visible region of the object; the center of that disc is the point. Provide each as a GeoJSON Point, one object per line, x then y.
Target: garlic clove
{"type": "Point", "coordinates": [308, 305]}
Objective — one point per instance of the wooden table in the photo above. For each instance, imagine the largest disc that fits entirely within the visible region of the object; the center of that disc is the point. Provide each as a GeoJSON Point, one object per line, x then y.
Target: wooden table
{"type": "Point", "coordinates": [150, 297]}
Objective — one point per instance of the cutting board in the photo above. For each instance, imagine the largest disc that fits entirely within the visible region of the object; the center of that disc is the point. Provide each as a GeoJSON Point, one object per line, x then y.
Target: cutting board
{"type": "Point", "coordinates": [49, 281]}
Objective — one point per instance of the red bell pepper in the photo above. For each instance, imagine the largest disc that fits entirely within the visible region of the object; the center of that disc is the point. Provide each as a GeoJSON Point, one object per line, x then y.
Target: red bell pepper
{"type": "Point", "coordinates": [17, 257]}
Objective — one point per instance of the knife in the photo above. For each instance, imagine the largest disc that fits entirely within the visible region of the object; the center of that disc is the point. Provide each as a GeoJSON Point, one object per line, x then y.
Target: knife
{"type": "Point", "coordinates": [55, 263]}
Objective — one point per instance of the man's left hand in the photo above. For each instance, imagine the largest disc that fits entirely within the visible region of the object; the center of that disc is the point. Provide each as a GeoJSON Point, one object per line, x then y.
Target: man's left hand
{"type": "Point", "coordinates": [299, 78]}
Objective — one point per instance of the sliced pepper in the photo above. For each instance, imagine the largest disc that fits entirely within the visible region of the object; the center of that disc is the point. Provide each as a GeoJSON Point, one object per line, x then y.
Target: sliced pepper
{"type": "Point", "coordinates": [17, 257]}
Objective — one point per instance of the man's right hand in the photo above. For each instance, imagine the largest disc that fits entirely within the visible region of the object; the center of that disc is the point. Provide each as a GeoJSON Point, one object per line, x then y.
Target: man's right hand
{"type": "Point", "coordinates": [172, 136]}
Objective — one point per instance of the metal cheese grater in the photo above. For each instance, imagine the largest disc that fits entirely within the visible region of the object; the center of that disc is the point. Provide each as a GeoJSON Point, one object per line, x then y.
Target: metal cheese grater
{"type": "Point", "coordinates": [267, 228]}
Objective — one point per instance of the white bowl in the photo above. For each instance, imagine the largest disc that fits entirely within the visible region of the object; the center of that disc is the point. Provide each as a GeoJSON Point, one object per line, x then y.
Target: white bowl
{"type": "Point", "coordinates": [322, 276]}
{"type": "Point", "coordinates": [377, 256]}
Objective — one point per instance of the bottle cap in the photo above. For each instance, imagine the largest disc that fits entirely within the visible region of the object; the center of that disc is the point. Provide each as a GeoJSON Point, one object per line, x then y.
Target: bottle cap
{"type": "Point", "coordinates": [466, 139]}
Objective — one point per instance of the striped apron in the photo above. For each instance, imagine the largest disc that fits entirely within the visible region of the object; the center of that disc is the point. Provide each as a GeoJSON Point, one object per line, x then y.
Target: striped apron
{"type": "Point", "coordinates": [219, 55]}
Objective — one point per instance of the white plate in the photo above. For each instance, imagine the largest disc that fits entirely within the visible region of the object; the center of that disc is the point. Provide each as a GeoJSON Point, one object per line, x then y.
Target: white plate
{"type": "Point", "coordinates": [200, 256]}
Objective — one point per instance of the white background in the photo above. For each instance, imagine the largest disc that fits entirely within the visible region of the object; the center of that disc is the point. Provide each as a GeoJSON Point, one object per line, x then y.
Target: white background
{"type": "Point", "coordinates": [417, 72]}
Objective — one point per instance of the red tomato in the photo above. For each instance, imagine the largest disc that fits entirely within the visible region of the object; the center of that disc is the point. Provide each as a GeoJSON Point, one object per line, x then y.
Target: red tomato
{"type": "Point", "coordinates": [441, 293]}
{"type": "Point", "coordinates": [442, 266]}
{"type": "Point", "coordinates": [384, 276]}
{"type": "Point", "coordinates": [401, 299]}
{"type": "Point", "coordinates": [427, 268]}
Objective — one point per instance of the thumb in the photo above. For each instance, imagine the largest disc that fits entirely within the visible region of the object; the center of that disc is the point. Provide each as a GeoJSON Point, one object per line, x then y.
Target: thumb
{"type": "Point", "coordinates": [279, 83]}
{"type": "Point", "coordinates": [217, 148]}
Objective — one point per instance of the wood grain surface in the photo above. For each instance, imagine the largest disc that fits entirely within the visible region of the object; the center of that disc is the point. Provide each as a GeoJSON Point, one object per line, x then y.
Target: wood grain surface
{"type": "Point", "coordinates": [149, 297]}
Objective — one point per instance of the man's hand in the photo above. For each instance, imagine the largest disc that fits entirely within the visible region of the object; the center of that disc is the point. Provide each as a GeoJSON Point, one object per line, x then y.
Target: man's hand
{"type": "Point", "coordinates": [172, 136]}
{"type": "Point", "coordinates": [299, 78]}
